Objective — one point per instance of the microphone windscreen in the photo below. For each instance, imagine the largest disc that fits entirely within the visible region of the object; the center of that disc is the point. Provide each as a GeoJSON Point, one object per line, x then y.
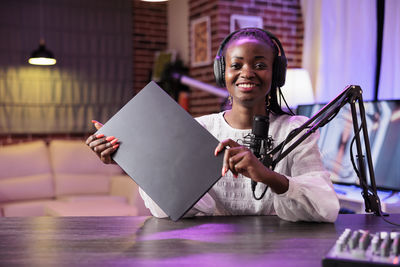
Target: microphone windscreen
{"type": "Point", "coordinates": [260, 126]}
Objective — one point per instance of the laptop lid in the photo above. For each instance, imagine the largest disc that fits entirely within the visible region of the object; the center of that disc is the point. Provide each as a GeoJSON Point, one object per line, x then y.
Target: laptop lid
{"type": "Point", "coordinates": [164, 150]}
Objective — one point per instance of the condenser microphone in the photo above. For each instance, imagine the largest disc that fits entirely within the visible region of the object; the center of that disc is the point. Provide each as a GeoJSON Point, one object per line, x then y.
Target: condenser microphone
{"type": "Point", "coordinates": [259, 135]}
{"type": "Point", "coordinates": [259, 141]}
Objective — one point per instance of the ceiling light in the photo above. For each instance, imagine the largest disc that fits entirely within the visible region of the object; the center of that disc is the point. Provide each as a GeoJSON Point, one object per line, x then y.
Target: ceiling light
{"type": "Point", "coordinates": [42, 56]}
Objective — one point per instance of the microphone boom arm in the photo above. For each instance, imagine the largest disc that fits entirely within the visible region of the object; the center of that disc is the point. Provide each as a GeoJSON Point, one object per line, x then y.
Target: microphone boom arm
{"type": "Point", "coordinates": [350, 95]}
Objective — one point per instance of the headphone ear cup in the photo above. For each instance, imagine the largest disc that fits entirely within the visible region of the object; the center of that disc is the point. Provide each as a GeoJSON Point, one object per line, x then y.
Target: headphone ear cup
{"type": "Point", "coordinates": [219, 71]}
{"type": "Point", "coordinates": [279, 74]}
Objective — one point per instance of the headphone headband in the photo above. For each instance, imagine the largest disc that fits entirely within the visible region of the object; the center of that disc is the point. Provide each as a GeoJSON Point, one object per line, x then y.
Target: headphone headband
{"type": "Point", "coordinates": [280, 61]}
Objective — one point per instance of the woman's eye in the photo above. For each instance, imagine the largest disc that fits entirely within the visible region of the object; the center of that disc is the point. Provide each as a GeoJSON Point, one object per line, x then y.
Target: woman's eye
{"type": "Point", "coordinates": [261, 66]}
{"type": "Point", "coordinates": [235, 66]}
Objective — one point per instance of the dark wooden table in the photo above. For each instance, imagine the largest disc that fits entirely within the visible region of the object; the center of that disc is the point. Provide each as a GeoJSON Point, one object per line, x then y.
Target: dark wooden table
{"type": "Point", "coordinates": [147, 241]}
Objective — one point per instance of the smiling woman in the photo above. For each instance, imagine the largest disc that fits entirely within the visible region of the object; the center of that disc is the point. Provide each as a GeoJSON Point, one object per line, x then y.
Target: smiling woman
{"type": "Point", "coordinates": [298, 188]}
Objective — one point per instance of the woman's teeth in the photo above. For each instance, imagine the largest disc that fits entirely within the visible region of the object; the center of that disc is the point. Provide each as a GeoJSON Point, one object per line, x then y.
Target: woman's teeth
{"type": "Point", "coordinates": [247, 85]}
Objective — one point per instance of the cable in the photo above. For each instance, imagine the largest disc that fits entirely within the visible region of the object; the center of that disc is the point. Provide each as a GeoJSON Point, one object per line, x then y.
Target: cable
{"type": "Point", "coordinates": [281, 96]}
{"type": "Point", "coordinates": [262, 194]}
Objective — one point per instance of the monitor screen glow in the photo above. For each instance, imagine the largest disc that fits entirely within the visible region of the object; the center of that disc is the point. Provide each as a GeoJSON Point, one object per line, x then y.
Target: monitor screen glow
{"type": "Point", "coordinates": [383, 122]}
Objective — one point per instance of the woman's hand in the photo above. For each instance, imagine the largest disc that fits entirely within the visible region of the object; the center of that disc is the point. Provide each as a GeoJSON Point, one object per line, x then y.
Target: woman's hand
{"type": "Point", "coordinates": [103, 146]}
{"type": "Point", "coordinates": [240, 159]}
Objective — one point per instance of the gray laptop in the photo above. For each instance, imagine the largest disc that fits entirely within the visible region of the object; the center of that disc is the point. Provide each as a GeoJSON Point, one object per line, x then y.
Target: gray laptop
{"type": "Point", "coordinates": [164, 150]}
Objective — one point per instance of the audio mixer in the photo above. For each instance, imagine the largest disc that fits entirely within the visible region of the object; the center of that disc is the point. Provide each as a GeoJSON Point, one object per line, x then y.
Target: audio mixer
{"type": "Point", "coordinates": [362, 248]}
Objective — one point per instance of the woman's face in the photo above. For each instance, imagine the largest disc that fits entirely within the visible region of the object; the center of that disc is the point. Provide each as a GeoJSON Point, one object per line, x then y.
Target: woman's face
{"type": "Point", "coordinates": [248, 71]}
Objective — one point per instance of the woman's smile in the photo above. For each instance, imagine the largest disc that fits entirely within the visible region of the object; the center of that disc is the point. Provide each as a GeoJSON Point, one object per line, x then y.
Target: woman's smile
{"type": "Point", "coordinates": [246, 87]}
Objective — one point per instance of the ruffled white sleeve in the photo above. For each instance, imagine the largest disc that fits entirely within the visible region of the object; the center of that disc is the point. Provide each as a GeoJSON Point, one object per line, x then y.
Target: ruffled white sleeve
{"type": "Point", "coordinates": [311, 196]}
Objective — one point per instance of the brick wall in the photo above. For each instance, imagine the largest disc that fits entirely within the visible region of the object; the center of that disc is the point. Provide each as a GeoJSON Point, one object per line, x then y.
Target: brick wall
{"type": "Point", "coordinates": [149, 36]}
{"type": "Point", "coordinates": [202, 102]}
{"type": "Point", "coordinates": [281, 17]}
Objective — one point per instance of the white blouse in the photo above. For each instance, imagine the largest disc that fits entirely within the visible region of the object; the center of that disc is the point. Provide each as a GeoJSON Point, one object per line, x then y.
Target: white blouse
{"type": "Point", "coordinates": [310, 196]}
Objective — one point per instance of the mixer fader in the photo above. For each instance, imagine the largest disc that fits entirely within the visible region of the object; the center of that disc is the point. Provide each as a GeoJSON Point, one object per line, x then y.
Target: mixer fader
{"type": "Point", "coordinates": [362, 248]}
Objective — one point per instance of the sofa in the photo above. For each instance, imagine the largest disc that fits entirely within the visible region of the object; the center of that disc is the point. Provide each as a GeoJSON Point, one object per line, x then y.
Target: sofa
{"type": "Point", "coordinates": [63, 178]}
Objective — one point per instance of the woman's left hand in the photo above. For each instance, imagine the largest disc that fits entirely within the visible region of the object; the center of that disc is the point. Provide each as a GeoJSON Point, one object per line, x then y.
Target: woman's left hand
{"type": "Point", "coordinates": [240, 159]}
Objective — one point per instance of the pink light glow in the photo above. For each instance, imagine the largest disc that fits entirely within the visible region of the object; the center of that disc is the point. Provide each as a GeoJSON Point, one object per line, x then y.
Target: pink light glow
{"type": "Point", "coordinates": [204, 232]}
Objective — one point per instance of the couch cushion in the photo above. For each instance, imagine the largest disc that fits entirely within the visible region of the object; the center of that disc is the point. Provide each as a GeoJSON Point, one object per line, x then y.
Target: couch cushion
{"type": "Point", "coordinates": [25, 172]}
{"type": "Point", "coordinates": [25, 208]}
{"type": "Point", "coordinates": [94, 198]}
{"type": "Point", "coordinates": [75, 157]}
{"type": "Point", "coordinates": [24, 159]}
{"type": "Point", "coordinates": [73, 184]}
{"type": "Point", "coordinates": [26, 187]}
{"type": "Point", "coordinates": [90, 208]}
{"type": "Point", "coordinates": [77, 169]}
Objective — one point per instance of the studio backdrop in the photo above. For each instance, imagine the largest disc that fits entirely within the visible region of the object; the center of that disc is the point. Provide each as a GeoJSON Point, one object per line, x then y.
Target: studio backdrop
{"type": "Point", "coordinates": [92, 43]}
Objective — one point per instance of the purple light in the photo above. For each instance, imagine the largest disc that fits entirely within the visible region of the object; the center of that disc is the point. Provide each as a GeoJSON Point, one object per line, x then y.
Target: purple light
{"type": "Point", "coordinates": [204, 232]}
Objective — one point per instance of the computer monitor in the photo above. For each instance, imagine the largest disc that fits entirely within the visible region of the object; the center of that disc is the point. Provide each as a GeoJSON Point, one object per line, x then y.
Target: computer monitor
{"type": "Point", "coordinates": [383, 121]}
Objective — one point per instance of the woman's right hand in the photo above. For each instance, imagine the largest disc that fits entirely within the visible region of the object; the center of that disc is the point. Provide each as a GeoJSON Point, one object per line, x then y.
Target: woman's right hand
{"type": "Point", "coordinates": [102, 145]}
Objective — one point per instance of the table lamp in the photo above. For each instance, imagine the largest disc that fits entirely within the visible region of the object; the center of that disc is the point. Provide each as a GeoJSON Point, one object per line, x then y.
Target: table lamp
{"type": "Point", "coordinates": [297, 89]}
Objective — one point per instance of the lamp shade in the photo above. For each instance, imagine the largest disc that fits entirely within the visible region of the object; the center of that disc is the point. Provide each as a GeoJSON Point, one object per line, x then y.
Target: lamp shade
{"type": "Point", "coordinates": [42, 56]}
{"type": "Point", "coordinates": [297, 89]}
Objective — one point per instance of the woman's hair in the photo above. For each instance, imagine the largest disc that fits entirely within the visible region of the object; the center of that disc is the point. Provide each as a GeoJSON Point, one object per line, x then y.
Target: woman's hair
{"type": "Point", "coordinates": [262, 36]}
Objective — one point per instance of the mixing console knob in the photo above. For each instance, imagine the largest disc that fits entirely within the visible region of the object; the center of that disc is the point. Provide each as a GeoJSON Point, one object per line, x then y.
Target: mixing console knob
{"type": "Point", "coordinates": [395, 244]}
{"type": "Point", "coordinates": [353, 242]}
{"type": "Point", "coordinates": [385, 246]}
{"type": "Point", "coordinates": [375, 243]}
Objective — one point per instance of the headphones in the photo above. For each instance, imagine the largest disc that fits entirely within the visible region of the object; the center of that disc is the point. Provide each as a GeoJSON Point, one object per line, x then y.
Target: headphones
{"type": "Point", "coordinates": [278, 70]}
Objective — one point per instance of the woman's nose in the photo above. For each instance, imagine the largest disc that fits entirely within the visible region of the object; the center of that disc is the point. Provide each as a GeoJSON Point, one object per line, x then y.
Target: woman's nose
{"type": "Point", "coordinates": [247, 72]}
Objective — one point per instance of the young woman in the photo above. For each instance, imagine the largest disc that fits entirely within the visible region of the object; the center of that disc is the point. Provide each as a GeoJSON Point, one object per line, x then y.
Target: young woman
{"type": "Point", "coordinates": [299, 188]}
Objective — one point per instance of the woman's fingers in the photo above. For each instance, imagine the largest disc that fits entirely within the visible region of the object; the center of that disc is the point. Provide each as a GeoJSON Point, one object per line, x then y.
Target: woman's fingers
{"type": "Point", "coordinates": [239, 161]}
{"type": "Point", "coordinates": [103, 146]}
{"type": "Point", "coordinates": [228, 145]}
{"type": "Point", "coordinates": [105, 155]}
{"type": "Point", "coordinates": [97, 124]}
{"type": "Point", "coordinates": [95, 139]}
{"type": "Point", "coordinates": [232, 156]}
{"type": "Point", "coordinates": [237, 158]}
{"type": "Point", "coordinates": [97, 143]}
{"type": "Point", "coordinates": [224, 144]}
